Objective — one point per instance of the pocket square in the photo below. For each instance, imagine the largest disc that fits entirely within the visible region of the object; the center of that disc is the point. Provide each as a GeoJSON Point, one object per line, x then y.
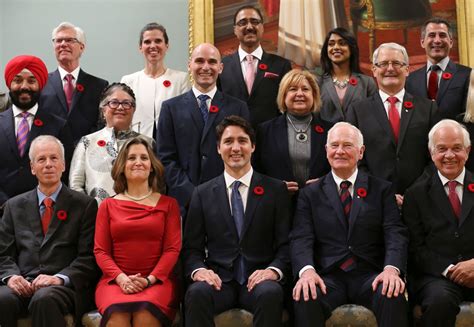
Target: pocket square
{"type": "Point", "coordinates": [270, 75]}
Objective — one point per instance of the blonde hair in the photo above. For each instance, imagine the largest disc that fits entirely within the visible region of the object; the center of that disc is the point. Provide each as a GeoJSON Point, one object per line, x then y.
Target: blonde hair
{"type": "Point", "coordinates": [293, 78]}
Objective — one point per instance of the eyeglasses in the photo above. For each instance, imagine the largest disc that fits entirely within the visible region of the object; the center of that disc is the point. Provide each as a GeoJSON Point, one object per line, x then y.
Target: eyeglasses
{"type": "Point", "coordinates": [395, 64]}
{"type": "Point", "coordinates": [67, 40]}
{"type": "Point", "coordinates": [245, 22]}
{"type": "Point", "coordinates": [126, 105]}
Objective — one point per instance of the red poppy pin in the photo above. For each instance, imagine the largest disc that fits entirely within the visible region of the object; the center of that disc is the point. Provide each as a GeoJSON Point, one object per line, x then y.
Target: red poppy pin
{"type": "Point", "coordinates": [447, 75]}
{"type": "Point", "coordinates": [166, 83]}
{"type": "Point", "coordinates": [258, 190]}
{"type": "Point", "coordinates": [470, 187]}
{"type": "Point", "coordinates": [263, 67]}
{"type": "Point", "coordinates": [213, 109]}
{"type": "Point", "coordinates": [361, 192]}
{"type": "Point", "coordinates": [101, 143]}
{"type": "Point", "coordinates": [318, 129]}
{"type": "Point", "coordinates": [38, 122]}
{"type": "Point", "coordinates": [80, 87]}
{"type": "Point", "coordinates": [61, 214]}
{"type": "Point", "coordinates": [408, 104]}
{"type": "Point", "coordinates": [353, 81]}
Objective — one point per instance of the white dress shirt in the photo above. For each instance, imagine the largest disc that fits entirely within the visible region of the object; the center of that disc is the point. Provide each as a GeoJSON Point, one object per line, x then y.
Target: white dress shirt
{"type": "Point", "coordinates": [18, 118]}
{"type": "Point", "coordinates": [384, 96]}
{"type": "Point", "coordinates": [443, 64]}
{"type": "Point", "coordinates": [257, 55]}
{"type": "Point", "coordinates": [210, 94]}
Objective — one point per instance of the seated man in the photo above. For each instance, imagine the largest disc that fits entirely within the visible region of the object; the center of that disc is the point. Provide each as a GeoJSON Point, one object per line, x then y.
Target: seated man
{"type": "Point", "coordinates": [348, 244]}
{"type": "Point", "coordinates": [438, 213]}
{"type": "Point", "coordinates": [242, 219]}
{"type": "Point", "coordinates": [47, 267]}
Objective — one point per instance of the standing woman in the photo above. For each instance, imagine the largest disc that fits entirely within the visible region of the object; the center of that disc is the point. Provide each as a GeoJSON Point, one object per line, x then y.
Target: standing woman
{"type": "Point", "coordinates": [342, 81]}
{"type": "Point", "coordinates": [137, 243]}
{"type": "Point", "coordinates": [155, 83]}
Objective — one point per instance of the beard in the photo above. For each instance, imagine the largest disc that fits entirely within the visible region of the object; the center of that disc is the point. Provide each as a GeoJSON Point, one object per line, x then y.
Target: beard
{"type": "Point", "coordinates": [15, 98]}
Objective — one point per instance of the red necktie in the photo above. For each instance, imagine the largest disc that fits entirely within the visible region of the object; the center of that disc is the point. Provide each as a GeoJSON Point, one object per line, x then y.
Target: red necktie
{"type": "Point", "coordinates": [394, 117]}
{"type": "Point", "coordinates": [433, 83]}
{"type": "Point", "coordinates": [346, 198]}
{"type": "Point", "coordinates": [250, 73]}
{"type": "Point", "coordinates": [68, 90]}
{"type": "Point", "coordinates": [47, 214]}
{"type": "Point", "coordinates": [454, 199]}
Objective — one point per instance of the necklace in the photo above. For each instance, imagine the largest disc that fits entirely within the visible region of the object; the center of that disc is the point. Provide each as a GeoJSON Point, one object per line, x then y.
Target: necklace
{"type": "Point", "coordinates": [138, 198]}
{"type": "Point", "coordinates": [340, 84]}
{"type": "Point", "coordinates": [301, 135]}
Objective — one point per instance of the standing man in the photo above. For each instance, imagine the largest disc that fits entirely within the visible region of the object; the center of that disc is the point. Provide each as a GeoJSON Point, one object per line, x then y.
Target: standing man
{"type": "Point", "coordinates": [46, 240]}
{"type": "Point", "coordinates": [251, 74]}
{"type": "Point", "coordinates": [348, 243]}
{"type": "Point", "coordinates": [441, 80]}
{"type": "Point", "coordinates": [186, 137]}
{"type": "Point", "coordinates": [440, 217]}
{"type": "Point", "coordinates": [25, 76]}
{"type": "Point", "coordinates": [71, 93]}
{"type": "Point", "coordinates": [235, 244]}
{"type": "Point", "coordinates": [395, 124]}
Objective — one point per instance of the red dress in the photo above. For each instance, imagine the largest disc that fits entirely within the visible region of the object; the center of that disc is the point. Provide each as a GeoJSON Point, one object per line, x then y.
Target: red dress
{"type": "Point", "coordinates": [134, 238]}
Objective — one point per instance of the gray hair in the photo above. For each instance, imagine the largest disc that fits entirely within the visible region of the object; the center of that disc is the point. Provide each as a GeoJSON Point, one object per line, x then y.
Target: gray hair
{"type": "Point", "coordinates": [359, 136]}
{"type": "Point", "coordinates": [393, 46]}
{"type": "Point", "coordinates": [448, 123]}
{"type": "Point", "coordinates": [80, 36]}
{"type": "Point", "coordinates": [44, 139]}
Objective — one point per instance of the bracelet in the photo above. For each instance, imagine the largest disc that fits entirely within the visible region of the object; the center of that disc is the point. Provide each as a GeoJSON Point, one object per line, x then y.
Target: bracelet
{"type": "Point", "coordinates": [148, 282]}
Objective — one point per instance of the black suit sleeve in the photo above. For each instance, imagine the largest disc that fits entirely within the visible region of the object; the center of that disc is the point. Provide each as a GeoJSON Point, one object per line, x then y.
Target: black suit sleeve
{"type": "Point", "coordinates": [8, 252]}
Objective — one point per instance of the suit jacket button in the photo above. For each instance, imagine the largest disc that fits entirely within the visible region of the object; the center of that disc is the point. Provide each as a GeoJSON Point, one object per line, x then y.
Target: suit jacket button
{"type": "Point", "coordinates": [204, 157]}
{"type": "Point", "coordinates": [460, 257]}
{"type": "Point", "coordinates": [456, 234]}
{"type": "Point", "coordinates": [350, 248]}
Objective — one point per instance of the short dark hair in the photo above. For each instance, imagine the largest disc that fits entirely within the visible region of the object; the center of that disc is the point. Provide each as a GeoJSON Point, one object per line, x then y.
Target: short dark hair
{"type": "Point", "coordinates": [248, 7]}
{"type": "Point", "coordinates": [436, 20]}
{"type": "Point", "coordinates": [151, 27]}
{"type": "Point", "coordinates": [326, 63]}
{"type": "Point", "coordinates": [234, 120]}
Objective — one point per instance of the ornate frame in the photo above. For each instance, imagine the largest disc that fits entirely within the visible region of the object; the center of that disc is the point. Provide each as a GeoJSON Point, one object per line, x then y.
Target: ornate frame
{"type": "Point", "coordinates": [201, 26]}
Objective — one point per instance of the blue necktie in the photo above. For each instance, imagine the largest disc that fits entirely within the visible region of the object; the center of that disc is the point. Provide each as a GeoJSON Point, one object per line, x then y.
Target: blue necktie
{"type": "Point", "coordinates": [238, 214]}
{"type": "Point", "coordinates": [203, 106]}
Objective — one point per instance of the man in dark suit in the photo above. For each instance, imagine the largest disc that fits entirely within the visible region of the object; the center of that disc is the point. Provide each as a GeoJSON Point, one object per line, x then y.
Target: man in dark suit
{"type": "Point", "coordinates": [348, 244]}
{"type": "Point", "coordinates": [440, 79]}
{"type": "Point", "coordinates": [22, 122]}
{"type": "Point", "coordinates": [395, 124]}
{"type": "Point", "coordinates": [440, 217]}
{"type": "Point", "coordinates": [71, 93]}
{"type": "Point", "coordinates": [186, 137]}
{"type": "Point", "coordinates": [250, 73]}
{"type": "Point", "coordinates": [235, 244]}
{"type": "Point", "coordinates": [47, 266]}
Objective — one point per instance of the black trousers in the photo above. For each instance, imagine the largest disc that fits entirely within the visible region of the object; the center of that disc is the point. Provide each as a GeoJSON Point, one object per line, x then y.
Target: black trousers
{"type": "Point", "coordinates": [202, 302]}
{"type": "Point", "coordinates": [351, 287]}
{"type": "Point", "coordinates": [46, 307]}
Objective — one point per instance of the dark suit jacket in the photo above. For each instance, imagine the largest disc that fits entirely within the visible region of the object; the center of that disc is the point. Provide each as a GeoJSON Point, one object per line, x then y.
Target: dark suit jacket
{"type": "Point", "coordinates": [15, 171]}
{"type": "Point", "coordinates": [322, 236]}
{"type": "Point", "coordinates": [452, 93]}
{"type": "Point", "coordinates": [262, 98]}
{"type": "Point", "coordinates": [66, 249]}
{"type": "Point", "coordinates": [210, 226]}
{"type": "Point", "coordinates": [400, 163]}
{"type": "Point", "coordinates": [332, 110]}
{"type": "Point", "coordinates": [272, 156]}
{"type": "Point", "coordinates": [186, 147]}
{"type": "Point", "coordinates": [436, 238]}
{"type": "Point", "coordinates": [84, 116]}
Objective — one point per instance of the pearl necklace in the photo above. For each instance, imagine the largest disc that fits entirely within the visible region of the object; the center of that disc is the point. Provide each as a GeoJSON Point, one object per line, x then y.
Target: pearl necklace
{"type": "Point", "coordinates": [138, 198]}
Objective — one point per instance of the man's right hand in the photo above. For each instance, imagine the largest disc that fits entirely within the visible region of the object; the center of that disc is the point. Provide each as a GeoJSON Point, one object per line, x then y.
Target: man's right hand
{"type": "Point", "coordinates": [208, 276]}
{"type": "Point", "coordinates": [20, 286]}
{"type": "Point", "coordinates": [307, 284]}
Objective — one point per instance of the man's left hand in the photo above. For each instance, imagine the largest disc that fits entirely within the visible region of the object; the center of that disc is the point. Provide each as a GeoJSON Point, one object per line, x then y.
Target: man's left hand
{"type": "Point", "coordinates": [463, 273]}
{"type": "Point", "coordinates": [393, 285]}
{"type": "Point", "coordinates": [46, 280]}
{"type": "Point", "coordinates": [259, 276]}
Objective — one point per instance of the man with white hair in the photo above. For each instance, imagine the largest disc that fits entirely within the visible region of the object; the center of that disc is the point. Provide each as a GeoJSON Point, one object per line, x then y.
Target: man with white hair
{"type": "Point", "coordinates": [440, 217]}
{"type": "Point", "coordinates": [395, 124]}
{"type": "Point", "coordinates": [348, 243]}
{"type": "Point", "coordinates": [71, 93]}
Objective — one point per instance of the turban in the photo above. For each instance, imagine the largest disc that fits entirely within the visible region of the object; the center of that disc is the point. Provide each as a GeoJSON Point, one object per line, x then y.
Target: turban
{"type": "Point", "coordinates": [34, 64]}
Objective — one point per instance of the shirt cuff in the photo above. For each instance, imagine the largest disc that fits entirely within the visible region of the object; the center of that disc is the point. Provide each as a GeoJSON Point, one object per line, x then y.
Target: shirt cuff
{"type": "Point", "coordinates": [195, 271]}
{"type": "Point", "coordinates": [5, 279]}
{"type": "Point", "coordinates": [398, 270]}
{"type": "Point", "coordinates": [445, 272]}
{"type": "Point", "coordinates": [278, 271]}
{"type": "Point", "coordinates": [67, 281]}
{"type": "Point", "coordinates": [304, 269]}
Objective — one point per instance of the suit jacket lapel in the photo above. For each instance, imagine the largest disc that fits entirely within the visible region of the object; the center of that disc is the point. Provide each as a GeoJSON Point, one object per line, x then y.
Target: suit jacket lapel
{"type": "Point", "coordinates": [76, 95]}
{"type": "Point", "coordinates": [381, 115]}
{"type": "Point", "coordinates": [59, 89]}
{"type": "Point", "coordinates": [405, 118]}
{"type": "Point", "coordinates": [444, 83]}
{"type": "Point", "coordinates": [440, 199]}
{"type": "Point", "coordinates": [191, 104]}
{"type": "Point", "coordinates": [331, 90]}
{"type": "Point", "coordinates": [350, 91]}
{"type": "Point", "coordinates": [62, 203]}
{"type": "Point", "coordinates": [280, 139]}
{"type": "Point", "coordinates": [253, 201]}
{"type": "Point", "coordinates": [218, 102]}
{"type": "Point", "coordinates": [357, 201]}
{"type": "Point", "coordinates": [317, 143]}
{"type": "Point", "coordinates": [260, 72]}
{"type": "Point", "coordinates": [236, 69]}
{"type": "Point", "coordinates": [9, 129]}
{"type": "Point", "coordinates": [31, 207]}
{"type": "Point", "coordinates": [330, 189]}
{"type": "Point", "coordinates": [222, 200]}
{"type": "Point", "coordinates": [467, 198]}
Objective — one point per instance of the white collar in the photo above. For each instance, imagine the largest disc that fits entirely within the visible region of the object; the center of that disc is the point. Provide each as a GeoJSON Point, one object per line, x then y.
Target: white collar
{"type": "Point", "coordinates": [17, 111]}
{"type": "Point", "coordinates": [257, 53]}
{"type": "Point", "coordinates": [211, 93]}
{"type": "Point", "coordinates": [74, 73]}
{"type": "Point", "coordinates": [442, 64]}
{"type": "Point", "coordinates": [351, 179]}
{"type": "Point", "coordinates": [399, 95]}
{"type": "Point", "coordinates": [459, 179]}
{"type": "Point", "coordinates": [245, 179]}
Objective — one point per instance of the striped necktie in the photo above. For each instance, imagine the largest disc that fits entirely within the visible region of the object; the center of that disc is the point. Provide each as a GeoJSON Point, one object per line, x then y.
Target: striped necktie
{"type": "Point", "coordinates": [22, 133]}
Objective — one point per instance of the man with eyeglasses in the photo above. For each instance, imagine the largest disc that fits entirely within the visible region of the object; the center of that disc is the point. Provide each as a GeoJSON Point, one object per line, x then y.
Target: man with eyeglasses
{"type": "Point", "coordinates": [250, 73]}
{"type": "Point", "coordinates": [441, 79]}
{"type": "Point", "coordinates": [395, 123]}
{"type": "Point", "coordinates": [71, 93]}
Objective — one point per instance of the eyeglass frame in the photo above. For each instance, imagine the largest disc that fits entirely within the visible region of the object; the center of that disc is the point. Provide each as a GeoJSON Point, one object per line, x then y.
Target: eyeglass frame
{"type": "Point", "coordinates": [67, 40]}
{"type": "Point", "coordinates": [121, 103]}
{"type": "Point", "coordinates": [245, 21]}
{"type": "Point", "coordinates": [395, 64]}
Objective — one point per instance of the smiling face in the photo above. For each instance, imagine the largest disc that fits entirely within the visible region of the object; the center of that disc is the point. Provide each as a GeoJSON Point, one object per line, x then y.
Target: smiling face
{"type": "Point", "coordinates": [24, 90]}
{"type": "Point", "coordinates": [248, 28]}
{"type": "Point", "coordinates": [138, 164]}
{"type": "Point", "coordinates": [153, 46]}
{"type": "Point", "coordinates": [236, 150]}
{"type": "Point", "coordinates": [47, 164]}
{"type": "Point", "coordinates": [119, 118]}
{"type": "Point", "coordinates": [68, 50]}
{"type": "Point", "coordinates": [342, 151]}
{"type": "Point", "coordinates": [338, 49]}
{"type": "Point", "coordinates": [390, 79]}
{"type": "Point", "coordinates": [299, 98]}
{"type": "Point", "coordinates": [205, 66]}
{"type": "Point", "coordinates": [437, 42]}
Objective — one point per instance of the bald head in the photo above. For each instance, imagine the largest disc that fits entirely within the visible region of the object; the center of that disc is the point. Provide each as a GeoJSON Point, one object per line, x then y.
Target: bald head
{"type": "Point", "coordinates": [205, 65]}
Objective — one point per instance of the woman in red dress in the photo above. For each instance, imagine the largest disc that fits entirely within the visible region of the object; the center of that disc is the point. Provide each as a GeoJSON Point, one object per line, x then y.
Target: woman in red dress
{"type": "Point", "coordinates": [137, 243]}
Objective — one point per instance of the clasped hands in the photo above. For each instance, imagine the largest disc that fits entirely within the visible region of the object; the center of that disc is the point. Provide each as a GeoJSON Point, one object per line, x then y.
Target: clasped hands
{"type": "Point", "coordinates": [258, 276]}
{"type": "Point", "coordinates": [22, 287]}
{"type": "Point", "coordinates": [130, 284]}
{"type": "Point", "coordinates": [462, 273]}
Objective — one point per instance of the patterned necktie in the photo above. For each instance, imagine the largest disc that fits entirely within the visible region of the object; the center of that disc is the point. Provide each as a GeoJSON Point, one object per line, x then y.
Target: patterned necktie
{"type": "Point", "coordinates": [433, 82]}
{"type": "Point", "coordinates": [238, 214]}
{"type": "Point", "coordinates": [346, 198]}
{"type": "Point", "coordinates": [22, 133]}
{"type": "Point", "coordinates": [47, 214]}
{"type": "Point", "coordinates": [454, 199]}
{"type": "Point", "coordinates": [203, 106]}
{"type": "Point", "coordinates": [68, 89]}
{"type": "Point", "coordinates": [250, 72]}
{"type": "Point", "coordinates": [394, 117]}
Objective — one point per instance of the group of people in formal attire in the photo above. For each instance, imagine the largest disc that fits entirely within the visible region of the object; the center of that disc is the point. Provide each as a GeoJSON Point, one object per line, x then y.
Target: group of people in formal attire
{"type": "Point", "coordinates": [256, 186]}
